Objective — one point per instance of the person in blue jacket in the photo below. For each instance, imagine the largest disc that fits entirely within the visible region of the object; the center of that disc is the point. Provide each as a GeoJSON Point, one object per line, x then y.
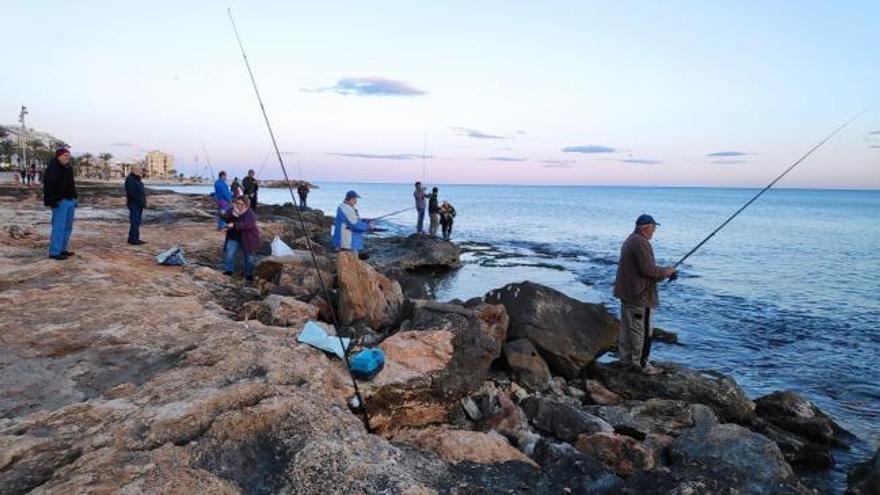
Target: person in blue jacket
{"type": "Point", "coordinates": [349, 228]}
{"type": "Point", "coordinates": [223, 197]}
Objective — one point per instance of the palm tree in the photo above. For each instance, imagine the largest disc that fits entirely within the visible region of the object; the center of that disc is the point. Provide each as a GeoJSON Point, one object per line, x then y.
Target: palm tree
{"type": "Point", "coordinates": [106, 157]}
{"type": "Point", "coordinates": [84, 164]}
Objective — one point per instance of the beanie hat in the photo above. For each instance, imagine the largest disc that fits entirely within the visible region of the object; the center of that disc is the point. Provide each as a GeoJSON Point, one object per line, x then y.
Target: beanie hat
{"type": "Point", "coordinates": [61, 151]}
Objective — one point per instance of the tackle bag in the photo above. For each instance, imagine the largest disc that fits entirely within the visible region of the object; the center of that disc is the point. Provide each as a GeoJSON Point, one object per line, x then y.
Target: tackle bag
{"type": "Point", "coordinates": [171, 257]}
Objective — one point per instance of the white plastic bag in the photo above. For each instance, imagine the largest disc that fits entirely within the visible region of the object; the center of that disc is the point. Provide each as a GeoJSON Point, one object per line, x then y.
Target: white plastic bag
{"type": "Point", "coordinates": [279, 248]}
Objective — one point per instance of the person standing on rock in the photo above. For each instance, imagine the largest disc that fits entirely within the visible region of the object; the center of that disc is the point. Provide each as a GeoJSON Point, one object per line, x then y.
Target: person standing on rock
{"type": "Point", "coordinates": [434, 211]}
{"type": "Point", "coordinates": [419, 196]}
{"type": "Point", "coordinates": [349, 227]}
{"type": "Point", "coordinates": [59, 193]}
{"type": "Point", "coordinates": [250, 188]}
{"type": "Point", "coordinates": [136, 200]}
{"type": "Point", "coordinates": [447, 218]}
{"type": "Point", "coordinates": [636, 287]}
{"type": "Point", "coordinates": [302, 190]}
{"type": "Point", "coordinates": [223, 196]}
{"type": "Point", "coordinates": [242, 234]}
{"type": "Point", "coordinates": [236, 188]}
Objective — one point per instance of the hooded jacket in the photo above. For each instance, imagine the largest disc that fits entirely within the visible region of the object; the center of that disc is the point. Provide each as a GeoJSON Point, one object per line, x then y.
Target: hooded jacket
{"type": "Point", "coordinates": [58, 183]}
{"type": "Point", "coordinates": [348, 229]}
{"type": "Point", "coordinates": [222, 194]}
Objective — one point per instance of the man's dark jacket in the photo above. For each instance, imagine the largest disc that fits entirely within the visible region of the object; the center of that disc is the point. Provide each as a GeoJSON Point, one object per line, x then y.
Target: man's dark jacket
{"type": "Point", "coordinates": [58, 183]}
{"type": "Point", "coordinates": [135, 195]}
{"type": "Point", "coordinates": [433, 206]}
{"type": "Point", "coordinates": [637, 273]}
{"type": "Point", "coordinates": [250, 185]}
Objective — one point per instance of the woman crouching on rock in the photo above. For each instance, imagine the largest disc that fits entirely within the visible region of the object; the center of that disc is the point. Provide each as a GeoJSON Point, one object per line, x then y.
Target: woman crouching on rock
{"type": "Point", "coordinates": [447, 218]}
{"type": "Point", "coordinates": [242, 234]}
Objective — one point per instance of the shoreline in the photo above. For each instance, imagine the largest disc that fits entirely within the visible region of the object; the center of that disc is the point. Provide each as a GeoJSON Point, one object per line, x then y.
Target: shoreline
{"type": "Point", "coordinates": [217, 369]}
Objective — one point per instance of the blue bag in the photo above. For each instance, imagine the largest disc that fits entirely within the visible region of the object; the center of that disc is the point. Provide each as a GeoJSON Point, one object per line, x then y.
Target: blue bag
{"type": "Point", "coordinates": [367, 363]}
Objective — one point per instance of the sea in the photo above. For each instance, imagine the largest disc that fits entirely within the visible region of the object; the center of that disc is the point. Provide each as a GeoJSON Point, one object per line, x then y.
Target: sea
{"type": "Point", "coordinates": [786, 296]}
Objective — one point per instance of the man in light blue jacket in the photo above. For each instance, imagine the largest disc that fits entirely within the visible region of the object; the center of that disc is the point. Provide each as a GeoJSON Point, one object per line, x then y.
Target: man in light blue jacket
{"type": "Point", "coordinates": [223, 197]}
{"type": "Point", "coordinates": [349, 228]}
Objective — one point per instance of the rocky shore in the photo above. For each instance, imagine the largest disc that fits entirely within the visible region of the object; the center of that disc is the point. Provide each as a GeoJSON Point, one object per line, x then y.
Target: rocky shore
{"type": "Point", "coordinates": [120, 375]}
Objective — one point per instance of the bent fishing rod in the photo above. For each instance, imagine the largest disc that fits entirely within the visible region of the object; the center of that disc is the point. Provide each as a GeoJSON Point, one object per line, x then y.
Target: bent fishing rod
{"type": "Point", "coordinates": [768, 186]}
{"type": "Point", "coordinates": [361, 405]}
{"type": "Point", "coordinates": [398, 212]}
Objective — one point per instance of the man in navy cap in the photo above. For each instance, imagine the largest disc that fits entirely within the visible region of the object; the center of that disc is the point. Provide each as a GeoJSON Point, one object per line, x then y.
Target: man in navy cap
{"type": "Point", "coordinates": [349, 228]}
{"type": "Point", "coordinates": [636, 287]}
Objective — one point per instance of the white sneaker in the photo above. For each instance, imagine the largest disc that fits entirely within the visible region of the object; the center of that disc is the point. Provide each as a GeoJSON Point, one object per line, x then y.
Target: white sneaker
{"type": "Point", "coordinates": [651, 370]}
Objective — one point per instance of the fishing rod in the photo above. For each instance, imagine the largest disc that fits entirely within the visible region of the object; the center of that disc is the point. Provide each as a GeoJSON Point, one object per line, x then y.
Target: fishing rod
{"type": "Point", "coordinates": [208, 159]}
{"type": "Point", "coordinates": [361, 405]}
{"type": "Point", "coordinates": [393, 213]}
{"type": "Point", "coordinates": [767, 188]}
{"type": "Point", "coordinates": [265, 159]}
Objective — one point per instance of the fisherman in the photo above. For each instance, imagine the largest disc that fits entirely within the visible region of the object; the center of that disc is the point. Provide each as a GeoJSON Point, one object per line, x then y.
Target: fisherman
{"type": "Point", "coordinates": [302, 190]}
{"type": "Point", "coordinates": [236, 188]}
{"type": "Point", "coordinates": [59, 193]}
{"type": "Point", "coordinates": [349, 228]}
{"type": "Point", "coordinates": [434, 211]}
{"type": "Point", "coordinates": [136, 200]}
{"type": "Point", "coordinates": [223, 196]}
{"type": "Point", "coordinates": [242, 234]}
{"type": "Point", "coordinates": [250, 188]}
{"type": "Point", "coordinates": [447, 218]}
{"type": "Point", "coordinates": [419, 196]}
{"type": "Point", "coordinates": [636, 287]}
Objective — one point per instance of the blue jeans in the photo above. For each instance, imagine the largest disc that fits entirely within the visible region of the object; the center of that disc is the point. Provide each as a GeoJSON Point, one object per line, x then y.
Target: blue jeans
{"type": "Point", "coordinates": [62, 226]}
{"type": "Point", "coordinates": [421, 225]}
{"type": "Point", "coordinates": [134, 218]}
{"type": "Point", "coordinates": [221, 212]}
{"type": "Point", "coordinates": [232, 248]}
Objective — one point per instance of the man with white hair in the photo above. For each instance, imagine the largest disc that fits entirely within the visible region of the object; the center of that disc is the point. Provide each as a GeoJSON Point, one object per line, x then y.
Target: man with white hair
{"type": "Point", "coordinates": [636, 287]}
{"type": "Point", "coordinates": [136, 200]}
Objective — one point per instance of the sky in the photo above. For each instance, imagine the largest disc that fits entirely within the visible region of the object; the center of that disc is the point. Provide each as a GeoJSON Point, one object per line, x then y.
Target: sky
{"type": "Point", "coordinates": [553, 92]}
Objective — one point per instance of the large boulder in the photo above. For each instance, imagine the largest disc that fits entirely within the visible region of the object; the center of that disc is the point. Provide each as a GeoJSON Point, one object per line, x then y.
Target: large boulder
{"type": "Point", "coordinates": [638, 419]}
{"type": "Point", "coordinates": [437, 359]}
{"type": "Point", "coordinates": [718, 391]}
{"type": "Point", "coordinates": [295, 275]}
{"type": "Point", "coordinates": [569, 334]}
{"type": "Point", "coordinates": [526, 365]}
{"type": "Point", "coordinates": [280, 311]}
{"type": "Point", "coordinates": [561, 419]}
{"type": "Point", "coordinates": [416, 252]}
{"type": "Point", "coordinates": [365, 294]}
{"type": "Point", "coordinates": [462, 445]}
{"type": "Point", "coordinates": [864, 479]}
{"type": "Point", "coordinates": [750, 458]}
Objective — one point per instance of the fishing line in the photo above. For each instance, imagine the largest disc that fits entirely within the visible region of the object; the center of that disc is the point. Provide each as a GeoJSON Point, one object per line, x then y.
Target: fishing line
{"type": "Point", "coordinates": [393, 213]}
{"type": "Point", "coordinates": [361, 405]}
{"type": "Point", "coordinates": [767, 188]}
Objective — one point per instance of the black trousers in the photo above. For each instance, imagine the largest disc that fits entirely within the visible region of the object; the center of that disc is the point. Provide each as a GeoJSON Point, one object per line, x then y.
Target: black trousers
{"type": "Point", "coordinates": [135, 214]}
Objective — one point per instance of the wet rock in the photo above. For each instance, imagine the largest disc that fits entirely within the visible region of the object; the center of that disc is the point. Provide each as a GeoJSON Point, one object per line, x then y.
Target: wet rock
{"type": "Point", "coordinates": [794, 413]}
{"type": "Point", "coordinates": [413, 286]}
{"type": "Point", "coordinates": [365, 294]}
{"type": "Point", "coordinates": [798, 451]}
{"type": "Point", "coordinates": [665, 336]}
{"type": "Point", "coordinates": [568, 334]}
{"type": "Point", "coordinates": [462, 445]}
{"type": "Point", "coordinates": [755, 462]}
{"type": "Point", "coordinates": [526, 365]}
{"type": "Point", "coordinates": [429, 368]}
{"type": "Point", "coordinates": [621, 454]}
{"type": "Point", "coordinates": [416, 252]}
{"type": "Point", "coordinates": [280, 311]}
{"type": "Point", "coordinates": [864, 479]}
{"type": "Point", "coordinates": [562, 420]}
{"type": "Point", "coordinates": [708, 387]}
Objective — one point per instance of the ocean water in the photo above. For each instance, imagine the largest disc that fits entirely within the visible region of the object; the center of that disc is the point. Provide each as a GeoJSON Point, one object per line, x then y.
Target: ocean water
{"type": "Point", "coordinates": [785, 297]}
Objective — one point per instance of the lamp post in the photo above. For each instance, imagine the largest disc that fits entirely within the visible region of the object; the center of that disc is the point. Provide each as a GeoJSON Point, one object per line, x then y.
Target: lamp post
{"type": "Point", "coordinates": [22, 137]}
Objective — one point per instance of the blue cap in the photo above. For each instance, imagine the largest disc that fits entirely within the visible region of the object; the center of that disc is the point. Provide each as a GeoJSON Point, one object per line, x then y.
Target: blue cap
{"type": "Point", "coordinates": [351, 194]}
{"type": "Point", "coordinates": [645, 219]}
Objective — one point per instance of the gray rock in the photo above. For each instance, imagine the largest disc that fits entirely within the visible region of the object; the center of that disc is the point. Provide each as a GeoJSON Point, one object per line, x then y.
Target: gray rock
{"type": "Point", "coordinates": [752, 460]}
{"type": "Point", "coordinates": [718, 391]}
{"type": "Point", "coordinates": [569, 334]}
{"type": "Point", "coordinates": [864, 479]}
{"type": "Point", "coordinates": [562, 420]}
{"type": "Point", "coordinates": [638, 419]}
{"type": "Point", "coordinates": [526, 365]}
{"type": "Point", "coordinates": [416, 252]}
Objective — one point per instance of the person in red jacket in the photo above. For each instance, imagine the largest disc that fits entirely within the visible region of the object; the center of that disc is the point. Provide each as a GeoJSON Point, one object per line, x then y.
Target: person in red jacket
{"type": "Point", "coordinates": [242, 234]}
{"type": "Point", "coordinates": [636, 287]}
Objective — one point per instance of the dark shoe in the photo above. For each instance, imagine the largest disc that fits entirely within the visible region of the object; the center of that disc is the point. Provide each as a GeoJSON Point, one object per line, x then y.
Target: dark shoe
{"type": "Point", "coordinates": [228, 274]}
{"type": "Point", "coordinates": [59, 257]}
{"type": "Point", "coordinates": [249, 279]}
{"type": "Point", "coordinates": [137, 243]}
{"type": "Point", "coordinates": [68, 253]}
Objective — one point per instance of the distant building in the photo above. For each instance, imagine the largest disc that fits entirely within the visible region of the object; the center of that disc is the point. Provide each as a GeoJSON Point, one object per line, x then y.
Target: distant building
{"type": "Point", "coordinates": [158, 165]}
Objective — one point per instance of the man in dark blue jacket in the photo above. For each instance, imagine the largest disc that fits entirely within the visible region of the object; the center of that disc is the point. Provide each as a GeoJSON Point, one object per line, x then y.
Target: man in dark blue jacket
{"type": "Point", "coordinates": [136, 200]}
{"type": "Point", "coordinates": [59, 193]}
